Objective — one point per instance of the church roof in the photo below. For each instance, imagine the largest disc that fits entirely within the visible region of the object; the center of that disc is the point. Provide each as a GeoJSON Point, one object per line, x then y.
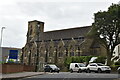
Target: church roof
{"type": "Point", "coordinates": [65, 33]}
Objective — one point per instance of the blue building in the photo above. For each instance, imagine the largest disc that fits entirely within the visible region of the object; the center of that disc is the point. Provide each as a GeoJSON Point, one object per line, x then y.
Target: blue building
{"type": "Point", "coordinates": [7, 53]}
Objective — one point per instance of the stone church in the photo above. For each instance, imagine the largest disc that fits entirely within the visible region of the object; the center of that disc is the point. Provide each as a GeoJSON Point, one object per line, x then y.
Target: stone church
{"type": "Point", "coordinates": [54, 46]}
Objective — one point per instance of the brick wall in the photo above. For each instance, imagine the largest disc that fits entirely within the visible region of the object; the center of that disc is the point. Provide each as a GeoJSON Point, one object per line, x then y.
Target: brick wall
{"type": "Point", "coordinates": [13, 68]}
{"type": "Point", "coordinates": [0, 68]}
{"type": "Point", "coordinates": [28, 68]}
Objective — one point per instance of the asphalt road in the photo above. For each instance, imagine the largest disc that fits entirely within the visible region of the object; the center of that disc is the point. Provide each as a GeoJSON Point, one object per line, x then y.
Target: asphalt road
{"type": "Point", "coordinates": [75, 76]}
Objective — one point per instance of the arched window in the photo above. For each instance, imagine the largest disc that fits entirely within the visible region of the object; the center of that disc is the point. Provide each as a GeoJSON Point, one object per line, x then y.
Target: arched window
{"type": "Point", "coordinates": [78, 51]}
{"type": "Point", "coordinates": [30, 31]}
{"type": "Point", "coordinates": [51, 51]}
{"type": "Point", "coordinates": [60, 54]}
{"type": "Point", "coordinates": [71, 53]}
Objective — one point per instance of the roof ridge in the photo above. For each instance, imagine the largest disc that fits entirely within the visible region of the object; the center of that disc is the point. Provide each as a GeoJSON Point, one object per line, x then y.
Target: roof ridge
{"type": "Point", "coordinates": [68, 29]}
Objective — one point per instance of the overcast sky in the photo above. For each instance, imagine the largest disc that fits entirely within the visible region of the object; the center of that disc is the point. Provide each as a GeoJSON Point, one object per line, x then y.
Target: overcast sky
{"type": "Point", "coordinates": [57, 14]}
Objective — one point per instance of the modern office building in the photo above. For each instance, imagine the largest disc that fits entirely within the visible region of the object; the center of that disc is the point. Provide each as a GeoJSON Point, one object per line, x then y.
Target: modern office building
{"type": "Point", "coordinates": [9, 53]}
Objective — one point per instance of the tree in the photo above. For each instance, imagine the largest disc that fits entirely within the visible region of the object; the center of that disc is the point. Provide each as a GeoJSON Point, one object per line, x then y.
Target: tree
{"type": "Point", "coordinates": [106, 29]}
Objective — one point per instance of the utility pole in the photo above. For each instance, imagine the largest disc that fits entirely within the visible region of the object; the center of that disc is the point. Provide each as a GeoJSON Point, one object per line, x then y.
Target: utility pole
{"type": "Point", "coordinates": [1, 36]}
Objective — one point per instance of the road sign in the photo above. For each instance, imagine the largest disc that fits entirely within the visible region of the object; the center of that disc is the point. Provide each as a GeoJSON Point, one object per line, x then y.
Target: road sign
{"type": "Point", "coordinates": [13, 54]}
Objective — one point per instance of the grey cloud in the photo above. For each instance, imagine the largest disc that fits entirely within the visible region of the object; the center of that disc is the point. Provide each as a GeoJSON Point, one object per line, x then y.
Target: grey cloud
{"type": "Point", "coordinates": [55, 15]}
{"type": "Point", "coordinates": [15, 33]}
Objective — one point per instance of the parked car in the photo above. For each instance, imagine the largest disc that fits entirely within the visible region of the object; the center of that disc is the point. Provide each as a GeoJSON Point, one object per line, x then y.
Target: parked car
{"type": "Point", "coordinates": [98, 67]}
{"type": "Point", "coordinates": [51, 68]}
{"type": "Point", "coordinates": [118, 70]}
{"type": "Point", "coordinates": [77, 67]}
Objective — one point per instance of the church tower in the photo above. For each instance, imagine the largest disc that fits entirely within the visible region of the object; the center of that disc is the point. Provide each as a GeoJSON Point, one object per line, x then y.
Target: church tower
{"type": "Point", "coordinates": [34, 29]}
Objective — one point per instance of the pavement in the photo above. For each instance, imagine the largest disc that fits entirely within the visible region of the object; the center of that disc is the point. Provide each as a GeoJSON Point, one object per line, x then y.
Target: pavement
{"type": "Point", "coordinates": [12, 76]}
{"type": "Point", "coordinates": [15, 76]}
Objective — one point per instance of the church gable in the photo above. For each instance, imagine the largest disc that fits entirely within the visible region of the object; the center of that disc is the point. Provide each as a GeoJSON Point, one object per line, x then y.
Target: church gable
{"type": "Point", "coordinates": [55, 46]}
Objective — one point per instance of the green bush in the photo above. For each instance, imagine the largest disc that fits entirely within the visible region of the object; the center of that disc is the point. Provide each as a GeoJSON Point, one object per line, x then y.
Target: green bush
{"type": "Point", "coordinates": [100, 59]}
{"type": "Point", "coordinates": [117, 63]}
{"type": "Point", "coordinates": [11, 61]}
{"type": "Point", "coordinates": [87, 59]}
{"type": "Point", "coordinates": [2, 62]}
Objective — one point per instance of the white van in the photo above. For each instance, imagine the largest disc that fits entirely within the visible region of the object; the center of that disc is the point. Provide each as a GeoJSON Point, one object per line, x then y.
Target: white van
{"type": "Point", "coordinates": [77, 67]}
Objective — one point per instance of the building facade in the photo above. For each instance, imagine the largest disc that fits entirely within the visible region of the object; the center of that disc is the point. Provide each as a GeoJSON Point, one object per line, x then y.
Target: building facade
{"type": "Point", "coordinates": [116, 54]}
{"type": "Point", "coordinates": [55, 46]}
{"type": "Point", "coordinates": [5, 51]}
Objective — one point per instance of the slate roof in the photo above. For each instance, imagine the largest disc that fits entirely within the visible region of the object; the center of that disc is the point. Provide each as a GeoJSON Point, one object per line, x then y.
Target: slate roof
{"type": "Point", "coordinates": [65, 33]}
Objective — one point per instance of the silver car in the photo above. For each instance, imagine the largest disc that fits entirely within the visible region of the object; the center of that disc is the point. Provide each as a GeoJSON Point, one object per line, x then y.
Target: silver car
{"type": "Point", "coordinates": [118, 70]}
{"type": "Point", "coordinates": [98, 67]}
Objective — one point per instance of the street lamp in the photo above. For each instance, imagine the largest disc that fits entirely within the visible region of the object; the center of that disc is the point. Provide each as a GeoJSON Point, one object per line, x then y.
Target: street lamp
{"type": "Point", "coordinates": [1, 36]}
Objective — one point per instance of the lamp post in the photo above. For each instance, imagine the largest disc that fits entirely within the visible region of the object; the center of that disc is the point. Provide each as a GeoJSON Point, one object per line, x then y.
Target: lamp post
{"type": "Point", "coordinates": [1, 35]}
